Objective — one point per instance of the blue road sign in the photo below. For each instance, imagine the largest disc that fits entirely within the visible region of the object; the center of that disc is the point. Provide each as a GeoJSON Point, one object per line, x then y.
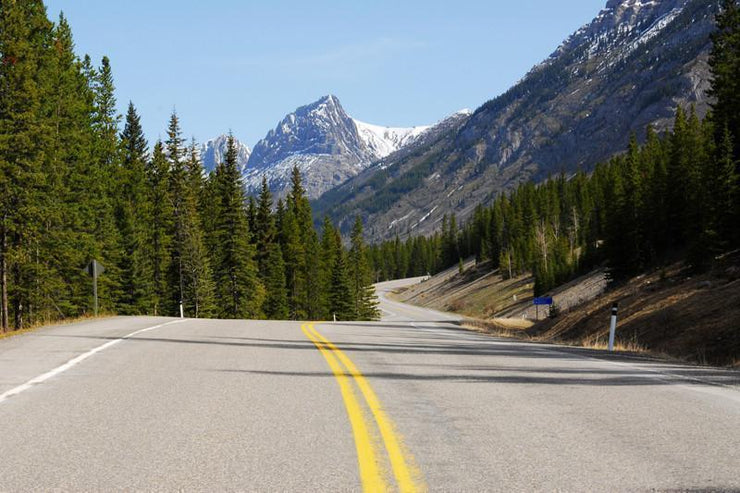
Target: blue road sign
{"type": "Point", "coordinates": [543, 301]}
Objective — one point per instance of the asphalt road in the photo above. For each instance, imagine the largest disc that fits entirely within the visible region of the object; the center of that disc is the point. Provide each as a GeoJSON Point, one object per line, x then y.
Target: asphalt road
{"type": "Point", "coordinates": [412, 403]}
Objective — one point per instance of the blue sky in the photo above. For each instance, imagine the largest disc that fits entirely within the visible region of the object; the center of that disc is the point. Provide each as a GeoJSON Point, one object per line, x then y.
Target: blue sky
{"type": "Point", "coordinates": [241, 65]}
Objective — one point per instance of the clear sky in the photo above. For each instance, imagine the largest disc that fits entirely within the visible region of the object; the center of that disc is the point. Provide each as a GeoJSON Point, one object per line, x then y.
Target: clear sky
{"type": "Point", "coordinates": [244, 64]}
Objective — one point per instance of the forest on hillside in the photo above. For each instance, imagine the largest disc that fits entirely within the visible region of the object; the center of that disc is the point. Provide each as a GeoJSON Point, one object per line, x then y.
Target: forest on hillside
{"type": "Point", "coordinates": [75, 187]}
{"type": "Point", "coordinates": [675, 196]}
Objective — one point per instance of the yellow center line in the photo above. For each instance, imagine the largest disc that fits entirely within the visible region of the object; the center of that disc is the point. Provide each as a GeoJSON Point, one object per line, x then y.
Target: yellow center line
{"type": "Point", "coordinates": [408, 477]}
{"type": "Point", "coordinates": [370, 476]}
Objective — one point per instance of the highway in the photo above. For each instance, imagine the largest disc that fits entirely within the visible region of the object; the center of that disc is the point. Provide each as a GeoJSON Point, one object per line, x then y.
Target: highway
{"type": "Point", "coordinates": [411, 403]}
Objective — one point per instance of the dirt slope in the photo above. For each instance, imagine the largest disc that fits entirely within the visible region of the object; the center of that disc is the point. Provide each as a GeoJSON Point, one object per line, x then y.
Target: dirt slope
{"type": "Point", "coordinates": [668, 312]}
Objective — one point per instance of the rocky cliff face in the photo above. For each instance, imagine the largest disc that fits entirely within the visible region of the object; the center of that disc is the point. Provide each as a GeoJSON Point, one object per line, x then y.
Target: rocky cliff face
{"type": "Point", "coordinates": [629, 67]}
{"type": "Point", "coordinates": [319, 138]}
{"type": "Point", "coordinates": [326, 144]}
{"type": "Point", "coordinates": [213, 152]}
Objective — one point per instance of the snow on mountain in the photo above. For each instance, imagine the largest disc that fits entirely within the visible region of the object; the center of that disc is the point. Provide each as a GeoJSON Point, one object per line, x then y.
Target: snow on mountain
{"type": "Point", "coordinates": [213, 152]}
{"type": "Point", "coordinates": [382, 141]}
{"type": "Point", "coordinates": [326, 144]}
{"type": "Point", "coordinates": [628, 68]}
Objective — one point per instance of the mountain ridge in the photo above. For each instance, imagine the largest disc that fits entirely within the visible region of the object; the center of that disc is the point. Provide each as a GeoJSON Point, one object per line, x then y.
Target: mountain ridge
{"type": "Point", "coordinates": [629, 67]}
{"type": "Point", "coordinates": [326, 144]}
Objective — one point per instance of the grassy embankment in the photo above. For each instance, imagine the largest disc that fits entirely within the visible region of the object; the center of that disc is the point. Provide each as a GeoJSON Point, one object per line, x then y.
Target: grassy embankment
{"type": "Point", "coordinates": [52, 323]}
{"type": "Point", "coordinates": [667, 313]}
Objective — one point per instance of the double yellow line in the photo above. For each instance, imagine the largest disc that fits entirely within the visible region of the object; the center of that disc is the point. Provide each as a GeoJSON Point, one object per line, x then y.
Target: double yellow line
{"type": "Point", "coordinates": [407, 477]}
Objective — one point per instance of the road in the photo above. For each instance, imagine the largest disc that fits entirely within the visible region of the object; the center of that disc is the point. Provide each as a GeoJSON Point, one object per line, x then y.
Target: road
{"type": "Point", "coordinates": [412, 403]}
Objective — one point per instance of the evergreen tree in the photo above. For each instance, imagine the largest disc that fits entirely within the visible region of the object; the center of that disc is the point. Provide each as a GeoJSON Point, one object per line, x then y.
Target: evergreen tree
{"type": "Point", "coordinates": [134, 215]}
{"type": "Point", "coordinates": [265, 234]}
{"type": "Point", "coordinates": [239, 293]}
{"type": "Point", "coordinates": [190, 272]}
{"type": "Point", "coordinates": [69, 239]}
{"type": "Point", "coordinates": [363, 292]}
{"type": "Point", "coordinates": [724, 62]}
{"type": "Point", "coordinates": [103, 186]}
{"type": "Point", "coordinates": [25, 38]}
{"type": "Point", "coordinates": [159, 233]}
{"type": "Point", "coordinates": [340, 293]}
{"type": "Point", "coordinates": [276, 300]}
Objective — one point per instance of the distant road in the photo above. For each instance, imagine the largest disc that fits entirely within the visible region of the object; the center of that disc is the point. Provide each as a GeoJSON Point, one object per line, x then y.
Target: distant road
{"type": "Point", "coordinates": [411, 403]}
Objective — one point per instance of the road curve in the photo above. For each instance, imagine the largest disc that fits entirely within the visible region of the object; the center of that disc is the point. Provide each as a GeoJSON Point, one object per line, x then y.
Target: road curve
{"type": "Point", "coordinates": [409, 403]}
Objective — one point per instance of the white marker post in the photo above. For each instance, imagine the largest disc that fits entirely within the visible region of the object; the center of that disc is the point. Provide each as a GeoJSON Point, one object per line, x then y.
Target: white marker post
{"type": "Point", "coordinates": [613, 327]}
{"type": "Point", "coordinates": [182, 312]}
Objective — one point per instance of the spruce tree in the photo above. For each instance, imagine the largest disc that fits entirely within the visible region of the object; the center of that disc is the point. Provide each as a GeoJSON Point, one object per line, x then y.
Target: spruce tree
{"type": "Point", "coordinates": [264, 233]}
{"type": "Point", "coordinates": [724, 62]}
{"type": "Point", "coordinates": [104, 186]}
{"type": "Point", "coordinates": [239, 293]}
{"type": "Point", "coordinates": [25, 40]}
{"type": "Point", "coordinates": [135, 215]}
{"type": "Point", "coordinates": [70, 222]}
{"type": "Point", "coordinates": [190, 272]}
{"type": "Point", "coordinates": [275, 305]}
{"type": "Point", "coordinates": [363, 292]}
{"type": "Point", "coordinates": [159, 232]}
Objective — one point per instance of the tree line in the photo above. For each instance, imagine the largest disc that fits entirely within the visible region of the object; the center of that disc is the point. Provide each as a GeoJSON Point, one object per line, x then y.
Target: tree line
{"type": "Point", "coordinates": [675, 196]}
{"type": "Point", "coordinates": [75, 187]}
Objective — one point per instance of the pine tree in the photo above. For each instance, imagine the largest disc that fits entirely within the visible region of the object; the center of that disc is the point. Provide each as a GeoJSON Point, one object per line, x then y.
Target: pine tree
{"type": "Point", "coordinates": [103, 185]}
{"type": "Point", "coordinates": [363, 292]}
{"type": "Point", "coordinates": [300, 248]}
{"type": "Point", "coordinates": [264, 233]}
{"type": "Point", "coordinates": [69, 239]}
{"type": "Point", "coordinates": [340, 291]}
{"type": "Point", "coordinates": [275, 305]}
{"type": "Point", "coordinates": [190, 272]}
{"type": "Point", "coordinates": [326, 263]}
{"type": "Point", "coordinates": [239, 293]}
{"type": "Point", "coordinates": [134, 216]}
{"type": "Point", "coordinates": [293, 253]}
{"type": "Point", "coordinates": [727, 192]}
{"type": "Point", "coordinates": [25, 40]}
{"type": "Point", "coordinates": [159, 233]}
{"type": "Point", "coordinates": [724, 62]}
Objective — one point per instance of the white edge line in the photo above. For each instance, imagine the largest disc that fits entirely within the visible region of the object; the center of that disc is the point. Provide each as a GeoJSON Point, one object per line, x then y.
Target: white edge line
{"type": "Point", "coordinates": [74, 361]}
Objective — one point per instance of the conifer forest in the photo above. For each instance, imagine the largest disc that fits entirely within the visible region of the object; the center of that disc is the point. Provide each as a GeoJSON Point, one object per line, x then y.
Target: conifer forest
{"type": "Point", "coordinates": [78, 182]}
{"type": "Point", "coordinates": [673, 196]}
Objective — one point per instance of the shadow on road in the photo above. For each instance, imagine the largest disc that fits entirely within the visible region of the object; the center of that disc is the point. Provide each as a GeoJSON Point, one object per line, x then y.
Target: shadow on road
{"type": "Point", "coordinates": [492, 361]}
{"type": "Point", "coordinates": [540, 376]}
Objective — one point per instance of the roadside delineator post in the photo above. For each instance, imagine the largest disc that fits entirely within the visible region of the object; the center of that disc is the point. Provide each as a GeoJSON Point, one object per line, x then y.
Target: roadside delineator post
{"type": "Point", "coordinates": [613, 326]}
{"type": "Point", "coordinates": [182, 311]}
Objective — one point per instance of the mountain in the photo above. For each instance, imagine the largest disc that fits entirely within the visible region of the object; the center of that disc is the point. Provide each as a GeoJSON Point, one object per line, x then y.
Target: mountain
{"type": "Point", "coordinates": [326, 144]}
{"type": "Point", "coordinates": [382, 141]}
{"type": "Point", "coordinates": [213, 152]}
{"type": "Point", "coordinates": [630, 67]}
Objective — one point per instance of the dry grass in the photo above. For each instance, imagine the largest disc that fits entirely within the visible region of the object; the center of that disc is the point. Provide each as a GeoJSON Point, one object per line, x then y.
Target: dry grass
{"type": "Point", "coordinates": [51, 323]}
{"type": "Point", "coordinates": [500, 327]}
{"type": "Point", "coordinates": [513, 328]}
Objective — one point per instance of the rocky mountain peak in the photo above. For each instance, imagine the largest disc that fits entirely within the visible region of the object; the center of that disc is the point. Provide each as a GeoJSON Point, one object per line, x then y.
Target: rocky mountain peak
{"type": "Point", "coordinates": [319, 128]}
{"type": "Point", "coordinates": [213, 152]}
{"type": "Point", "coordinates": [326, 144]}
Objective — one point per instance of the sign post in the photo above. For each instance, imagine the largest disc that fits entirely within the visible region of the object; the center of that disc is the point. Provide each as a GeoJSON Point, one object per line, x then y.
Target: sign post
{"type": "Point", "coordinates": [541, 301]}
{"type": "Point", "coordinates": [94, 269]}
{"type": "Point", "coordinates": [613, 326]}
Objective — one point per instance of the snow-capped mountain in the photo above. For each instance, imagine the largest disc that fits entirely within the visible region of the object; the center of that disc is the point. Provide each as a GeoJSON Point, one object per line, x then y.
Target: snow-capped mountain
{"type": "Point", "coordinates": [326, 144]}
{"type": "Point", "coordinates": [630, 67]}
{"type": "Point", "coordinates": [383, 141]}
{"type": "Point", "coordinates": [213, 152]}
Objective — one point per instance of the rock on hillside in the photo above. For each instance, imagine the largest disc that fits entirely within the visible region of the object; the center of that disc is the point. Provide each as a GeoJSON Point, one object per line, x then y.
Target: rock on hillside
{"type": "Point", "coordinates": [326, 144]}
{"type": "Point", "coordinates": [630, 67]}
{"type": "Point", "coordinates": [213, 152]}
